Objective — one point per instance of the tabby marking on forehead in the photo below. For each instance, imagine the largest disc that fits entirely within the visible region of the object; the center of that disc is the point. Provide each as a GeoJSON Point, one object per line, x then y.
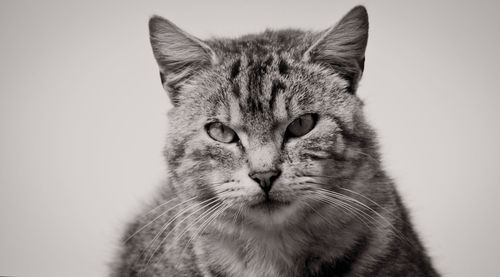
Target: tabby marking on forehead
{"type": "Point", "coordinates": [257, 81]}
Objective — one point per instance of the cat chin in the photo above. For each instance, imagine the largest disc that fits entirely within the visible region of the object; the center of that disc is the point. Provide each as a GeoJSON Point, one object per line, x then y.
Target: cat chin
{"type": "Point", "coordinates": [273, 214]}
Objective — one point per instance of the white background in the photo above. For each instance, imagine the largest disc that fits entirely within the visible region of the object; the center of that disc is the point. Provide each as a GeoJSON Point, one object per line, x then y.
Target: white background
{"type": "Point", "coordinates": [82, 120]}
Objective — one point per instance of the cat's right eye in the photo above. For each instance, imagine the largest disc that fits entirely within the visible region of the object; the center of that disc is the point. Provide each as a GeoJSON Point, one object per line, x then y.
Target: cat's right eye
{"type": "Point", "coordinates": [220, 132]}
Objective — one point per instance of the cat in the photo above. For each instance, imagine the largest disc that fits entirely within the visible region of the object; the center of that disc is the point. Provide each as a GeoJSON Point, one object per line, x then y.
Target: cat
{"type": "Point", "coordinates": [272, 167]}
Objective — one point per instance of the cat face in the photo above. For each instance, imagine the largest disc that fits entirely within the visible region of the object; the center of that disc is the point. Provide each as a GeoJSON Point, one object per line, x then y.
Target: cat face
{"type": "Point", "coordinates": [263, 126]}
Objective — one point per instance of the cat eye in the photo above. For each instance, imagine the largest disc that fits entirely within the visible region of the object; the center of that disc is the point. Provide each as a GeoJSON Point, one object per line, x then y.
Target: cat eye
{"type": "Point", "coordinates": [220, 132]}
{"type": "Point", "coordinates": [301, 125]}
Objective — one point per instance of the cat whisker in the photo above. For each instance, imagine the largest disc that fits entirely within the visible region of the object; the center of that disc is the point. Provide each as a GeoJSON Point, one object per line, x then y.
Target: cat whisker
{"type": "Point", "coordinates": [171, 208]}
{"type": "Point", "coordinates": [203, 204]}
{"type": "Point", "coordinates": [369, 199]}
{"type": "Point", "coordinates": [361, 215]}
{"type": "Point", "coordinates": [339, 200]}
{"type": "Point", "coordinates": [159, 206]}
{"type": "Point", "coordinates": [177, 192]}
{"type": "Point", "coordinates": [206, 214]}
{"type": "Point", "coordinates": [160, 215]}
{"type": "Point", "coordinates": [237, 215]}
{"type": "Point", "coordinates": [347, 198]}
{"type": "Point", "coordinates": [172, 220]}
{"type": "Point", "coordinates": [216, 212]}
{"type": "Point", "coordinates": [350, 199]}
{"type": "Point", "coordinates": [357, 213]}
{"type": "Point", "coordinates": [354, 192]}
{"type": "Point", "coordinates": [163, 228]}
{"type": "Point", "coordinates": [315, 211]}
{"type": "Point", "coordinates": [366, 155]}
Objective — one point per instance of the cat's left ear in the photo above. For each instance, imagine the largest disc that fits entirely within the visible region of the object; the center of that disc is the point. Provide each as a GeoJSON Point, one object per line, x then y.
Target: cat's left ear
{"type": "Point", "coordinates": [342, 47]}
{"type": "Point", "coordinates": [179, 55]}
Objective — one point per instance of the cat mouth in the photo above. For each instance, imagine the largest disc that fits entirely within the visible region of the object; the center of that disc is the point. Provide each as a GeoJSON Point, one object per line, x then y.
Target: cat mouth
{"type": "Point", "coordinates": [269, 204]}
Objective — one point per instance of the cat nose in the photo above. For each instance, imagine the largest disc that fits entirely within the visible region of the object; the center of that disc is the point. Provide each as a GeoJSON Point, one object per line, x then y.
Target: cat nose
{"type": "Point", "coordinates": [265, 179]}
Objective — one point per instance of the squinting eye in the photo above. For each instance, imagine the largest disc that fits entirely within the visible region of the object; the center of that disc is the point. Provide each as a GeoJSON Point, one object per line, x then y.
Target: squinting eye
{"type": "Point", "coordinates": [221, 132]}
{"type": "Point", "coordinates": [302, 125]}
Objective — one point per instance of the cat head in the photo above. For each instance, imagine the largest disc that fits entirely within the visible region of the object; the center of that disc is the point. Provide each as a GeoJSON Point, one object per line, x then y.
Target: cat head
{"type": "Point", "coordinates": [267, 123]}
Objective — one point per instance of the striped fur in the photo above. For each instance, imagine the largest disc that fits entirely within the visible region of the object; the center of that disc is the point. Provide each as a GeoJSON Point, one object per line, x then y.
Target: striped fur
{"type": "Point", "coordinates": [339, 213]}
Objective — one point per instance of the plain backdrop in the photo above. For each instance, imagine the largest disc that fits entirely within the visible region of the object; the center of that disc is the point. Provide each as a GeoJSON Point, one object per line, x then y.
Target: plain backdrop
{"type": "Point", "coordinates": [82, 120]}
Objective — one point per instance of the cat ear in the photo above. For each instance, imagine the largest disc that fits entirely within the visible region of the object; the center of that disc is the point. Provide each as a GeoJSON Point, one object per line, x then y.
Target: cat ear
{"type": "Point", "coordinates": [179, 55]}
{"type": "Point", "coordinates": [342, 47]}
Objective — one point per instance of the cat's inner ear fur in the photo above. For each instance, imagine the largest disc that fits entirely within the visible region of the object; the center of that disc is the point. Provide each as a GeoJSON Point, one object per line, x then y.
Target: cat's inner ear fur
{"type": "Point", "coordinates": [342, 47]}
{"type": "Point", "coordinates": [180, 55]}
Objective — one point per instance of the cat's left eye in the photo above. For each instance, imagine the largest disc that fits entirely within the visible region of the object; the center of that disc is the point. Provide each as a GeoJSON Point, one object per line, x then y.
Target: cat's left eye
{"type": "Point", "coordinates": [302, 125]}
{"type": "Point", "coordinates": [221, 132]}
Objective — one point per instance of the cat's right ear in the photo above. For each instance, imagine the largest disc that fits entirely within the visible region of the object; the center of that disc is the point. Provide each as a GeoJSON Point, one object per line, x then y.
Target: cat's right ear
{"type": "Point", "coordinates": [179, 55]}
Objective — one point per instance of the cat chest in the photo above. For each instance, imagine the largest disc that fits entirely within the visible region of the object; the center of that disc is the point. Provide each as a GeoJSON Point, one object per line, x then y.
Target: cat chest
{"type": "Point", "coordinates": [251, 259]}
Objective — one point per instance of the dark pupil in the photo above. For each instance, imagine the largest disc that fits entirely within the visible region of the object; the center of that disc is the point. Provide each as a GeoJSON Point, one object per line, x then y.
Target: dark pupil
{"type": "Point", "coordinates": [300, 122]}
